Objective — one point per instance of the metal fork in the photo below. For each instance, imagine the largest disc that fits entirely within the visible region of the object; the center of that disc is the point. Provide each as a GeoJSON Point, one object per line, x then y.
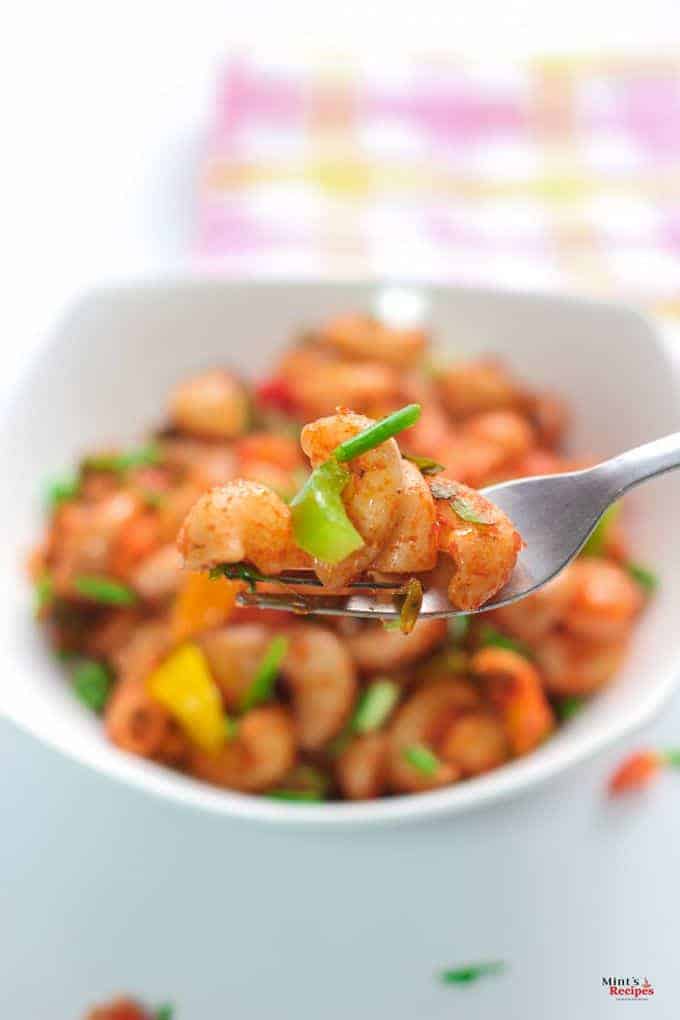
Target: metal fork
{"type": "Point", "coordinates": [555, 514]}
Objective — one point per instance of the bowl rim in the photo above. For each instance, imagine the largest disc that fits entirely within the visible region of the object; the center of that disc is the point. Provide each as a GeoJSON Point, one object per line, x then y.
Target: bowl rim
{"type": "Point", "coordinates": [510, 780]}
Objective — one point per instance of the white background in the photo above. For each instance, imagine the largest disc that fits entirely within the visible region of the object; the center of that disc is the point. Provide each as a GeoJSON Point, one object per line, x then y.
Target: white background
{"type": "Point", "coordinates": [104, 890]}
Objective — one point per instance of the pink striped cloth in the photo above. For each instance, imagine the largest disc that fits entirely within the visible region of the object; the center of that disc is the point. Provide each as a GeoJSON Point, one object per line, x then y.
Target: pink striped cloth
{"type": "Point", "coordinates": [550, 175]}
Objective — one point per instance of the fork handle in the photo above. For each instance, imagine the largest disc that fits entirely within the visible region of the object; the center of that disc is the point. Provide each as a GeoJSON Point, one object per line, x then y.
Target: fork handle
{"type": "Point", "coordinates": [647, 461]}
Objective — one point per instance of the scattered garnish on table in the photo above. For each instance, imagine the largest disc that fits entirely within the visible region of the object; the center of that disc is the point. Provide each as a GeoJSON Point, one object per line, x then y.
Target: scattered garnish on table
{"type": "Point", "coordinates": [471, 972]}
{"type": "Point", "coordinates": [639, 769]}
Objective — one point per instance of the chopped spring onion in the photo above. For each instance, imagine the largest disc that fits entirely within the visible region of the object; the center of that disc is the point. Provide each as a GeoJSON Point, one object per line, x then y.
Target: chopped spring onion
{"type": "Point", "coordinates": [671, 757]}
{"type": "Point", "coordinates": [105, 590]}
{"type": "Point", "coordinates": [267, 672]}
{"type": "Point", "coordinates": [320, 523]}
{"type": "Point", "coordinates": [426, 465]}
{"type": "Point", "coordinates": [468, 513]}
{"type": "Point", "coordinates": [471, 972]}
{"type": "Point", "coordinates": [457, 628]}
{"type": "Point", "coordinates": [144, 456]}
{"type": "Point", "coordinates": [61, 490]}
{"type": "Point", "coordinates": [422, 759]}
{"type": "Point", "coordinates": [375, 705]}
{"type": "Point", "coordinates": [92, 683]}
{"type": "Point", "coordinates": [390, 625]}
{"type": "Point", "coordinates": [569, 707]}
{"type": "Point", "coordinates": [238, 572]}
{"type": "Point", "coordinates": [376, 434]}
{"type": "Point", "coordinates": [642, 576]}
{"type": "Point", "coordinates": [298, 795]}
{"type": "Point", "coordinates": [230, 728]}
{"type": "Point", "coordinates": [164, 1012]}
{"type": "Point", "coordinates": [44, 592]}
{"type": "Point", "coordinates": [410, 609]}
{"type": "Point", "coordinates": [492, 638]}
{"type": "Point", "coordinates": [599, 536]}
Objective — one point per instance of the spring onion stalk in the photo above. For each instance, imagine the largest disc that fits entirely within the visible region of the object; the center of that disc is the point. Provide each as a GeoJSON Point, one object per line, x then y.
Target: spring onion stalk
{"type": "Point", "coordinates": [105, 590]}
{"type": "Point", "coordinates": [267, 672]}
{"type": "Point", "coordinates": [375, 705]}
{"type": "Point", "coordinates": [644, 577]}
{"type": "Point", "coordinates": [599, 536]}
{"type": "Point", "coordinates": [376, 434]}
{"type": "Point", "coordinates": [422, 759]}
{"type": "Point", "coordinates": [492, 638]}
{"type": "Point", "coordinates": [471, 972]}
{"type": "Point", "coordinates": [145, 456]}
{"type": "Point", "coordinates": [457, 629]}
{"type": "Point", "coordinates": [164, 1012]}
{"type": "Point", "coordinates": [410, 609]}
{"type": "Point", "coordinates": [296, 795]}
{"type": "Point", "coordinates": [426, 465]}
{"type": "Point", "coordinates": [569, 707]}
{"type": "Point", "coordinates": [92, 683]}
{"type": "Point", "coordinates": [44, 592]}
{"type": "Point", "coordinates": [61, 490]}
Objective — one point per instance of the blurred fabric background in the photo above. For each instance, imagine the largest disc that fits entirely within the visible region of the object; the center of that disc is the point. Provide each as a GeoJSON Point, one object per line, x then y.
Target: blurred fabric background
{"type": "Point", "coordinates": [545, 174]}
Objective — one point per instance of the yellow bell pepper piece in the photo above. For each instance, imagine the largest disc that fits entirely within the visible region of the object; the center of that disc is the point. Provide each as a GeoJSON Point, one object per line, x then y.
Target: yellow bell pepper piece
{"type": "Point", "coordinates": [202, 604]}
{"type": "Point", "coordinates": [184, 685]}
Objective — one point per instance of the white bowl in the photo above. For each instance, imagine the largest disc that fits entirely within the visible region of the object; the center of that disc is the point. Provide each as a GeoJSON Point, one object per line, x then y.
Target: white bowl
{"type": "Point", "coordinates": [103, 374]}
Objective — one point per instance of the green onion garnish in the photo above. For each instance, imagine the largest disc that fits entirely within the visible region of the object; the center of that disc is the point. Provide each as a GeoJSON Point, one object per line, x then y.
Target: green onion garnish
{"type": "Point", "coordinates": [644, 577]}
{"type": "Point", "coordinates": [230, 728]}
{"type": "Point", "coordinates": [376, 434]}
{"type": "Point", "coordinates": [238, 572]}
{"type": "Point", "coordinates": [600, 533]}
{"type": "Point", "coordinates": [164, 1012]}
{"type": "Point", "coordinates": [457, 628]}
{"type": "Point", "coordinates": [298, 795]}
{"type": "Point", "coordinates": [426, 465]}
{"type": "Point", "coordinates": [267, 672]}
{"type": "Point", "coordinates": [471, 972]}
{"type": "Point", "coordinates": [390, 625]}
{"type": "Point", "coordinates": [44, 592]}
{"type": "Point", "coordinates": [422, 759]}
{"type": "Point", "coordinates": [105, 590]}
{"type": "Point", "coordinates": [61, 490]}
{"type": "Point", "coordinates": [145, 456]}
{"type": "Point", "coordinates": [569, 707]}
{"type": "Point", "coordinates": [375, 705]}
{"type": "Point", "coordinates": [320, 523]}
{"type": "Point", "coordinates": [92, 683]}
{"type": "Point", "coordinates": [468, 513]}
{"type": "Point", "coordinates": [491, 638]}
{"type": "Point", "coordinates": [671, 757]}
{"type": "Point", "coordinates": [410, 608]}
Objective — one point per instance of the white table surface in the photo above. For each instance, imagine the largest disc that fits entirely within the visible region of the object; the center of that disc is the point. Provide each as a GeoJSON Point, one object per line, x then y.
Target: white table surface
{"type": "Point", "coordinates": [105, 890]}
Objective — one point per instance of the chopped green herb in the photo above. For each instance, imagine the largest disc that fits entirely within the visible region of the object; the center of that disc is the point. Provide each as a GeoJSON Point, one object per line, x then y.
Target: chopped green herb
{"type": "Point", "coordinates": [238, 572]}
{"type": "Point", "coordinates": [410, 609]}
{"type": "Point", "coordinates": [422, 759]}
{"type": "Point", "coordinates": [61, 490]}
{"type": "Point", "coordinates": [230, 727]}
{"type": "Point", "coordinates": [569, 707]}
{"type": "Point", "coordinates": [390, 625]}
{"type": "Point", "coordinates": [489, 637]}
{"type": "Point", "coordinates": [92, 682]}
{"type": "Point", "coordinates": [320, 523]}
{"type": "Point", "coordinates": [164, 1012]}
{"type": "Point", "coordinates": [145, 456]}
{"type": "Point", "coordinates": [426, 465]}
{"type": "Point", "coordinates": [267, 672]}
{"type": "Point", "coordinates": [599, 536]}
{"type": "Point", "coordinates": [457, 628]}
{"type": "Point", "coordinates": [471, 972]}
{"type": "Point", "coordinates": [44, 592]}
{"type": "Point", "coordinates": [378, 433]}
{"type": "Point", "coordinates": [456, 495]}
{"type": "Point", "coordinates": [644, 577]}
{"type": "Point", "coordinates": [105, 590]}
{"type": "Point", "coordinates": [671, 757]}
{"type": "Point", "coordinates": [375, 705]}
{"type": "Point", "coordinates": [467, 512]}
{"type": "Point", "coordinates": [299, 795]}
